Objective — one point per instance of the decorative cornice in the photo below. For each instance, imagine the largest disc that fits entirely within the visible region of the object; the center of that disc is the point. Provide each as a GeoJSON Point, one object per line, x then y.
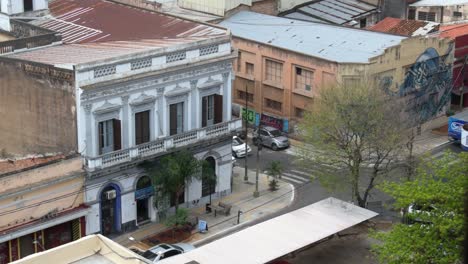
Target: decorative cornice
{"type": "Point", "coordinates": [87, 108]}
{"type": "Point", "coordinates": [106, 108]}
{"type": "Point", "coordinates": [143, 99]}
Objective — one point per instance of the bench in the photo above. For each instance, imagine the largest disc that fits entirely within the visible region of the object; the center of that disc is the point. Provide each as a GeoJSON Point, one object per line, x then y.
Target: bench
{"type": "Point", "coordinates": [223, 208]}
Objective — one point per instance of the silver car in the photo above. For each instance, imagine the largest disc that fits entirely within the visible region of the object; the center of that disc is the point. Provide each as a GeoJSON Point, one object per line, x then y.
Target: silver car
{"type": "Point", "coordinates": [271, 137]}
{"type": "Point", "coordinates": [163, 251]}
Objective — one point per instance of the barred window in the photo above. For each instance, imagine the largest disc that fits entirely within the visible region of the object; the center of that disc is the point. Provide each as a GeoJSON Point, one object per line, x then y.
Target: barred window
{"type": "Point", "coordinates": [139, 64]}
{"type": "Point", "coordinates": [176, 57]}
{"type": "Point", "coordinates": [304, 79]}
{"type": "Point", "coordinates": [273, 104]}
{"type": "Point", "coordinates": [249, 68]}
{"type": "Point", "coordinates": [103, 71]}
{"type": "Point", "coordinates": [209, 50]}
{"type": "Point", "coordinates": [426, 16]}
{"type": "Point", "coordinates": [273, 71]}
{"type": "Point", "coordinates": [242, 96]}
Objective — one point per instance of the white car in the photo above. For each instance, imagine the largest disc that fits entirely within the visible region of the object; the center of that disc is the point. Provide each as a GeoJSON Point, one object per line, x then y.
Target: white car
{"type": "Point", "coordinates": [163, 251]}
{"type": "Point", "coordinates": [238, 147]}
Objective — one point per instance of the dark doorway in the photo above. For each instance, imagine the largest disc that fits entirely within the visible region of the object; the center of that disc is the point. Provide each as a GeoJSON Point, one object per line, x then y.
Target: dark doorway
{"type": "Point", "coordinates": [27, 245]}
{"type": "Point", "coordinates": [208, 187]}
{"type": "Point", "coordinates": [58, 235]}
{"type": "Point", "coordinates": [144, 191]}
{"type": "Point", "coordinates": [176, 118]}
{"type": "Point", "coordinates": [109, 211]}
{"type": "Point", "coordinates": [142, 127]}
{"type": "Point", "coordinates": [212, 110]}
{"type": "Point", "coordinates": [109, 136]}
{"type": "Point", "coordinates": [28, 5]}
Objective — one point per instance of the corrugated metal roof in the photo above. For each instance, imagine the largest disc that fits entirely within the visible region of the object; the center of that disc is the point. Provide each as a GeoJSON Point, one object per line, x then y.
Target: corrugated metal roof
{"type": "Point", "coordinates": [84, 21]}
{"type": "Point", "coordinates": [440, 2]}
{"type": "Point", "coordinates": [65, 56]}
{"type": "Point", "coordinates": [404, 27]}
{"type": "Point", "coordinates": [279, 236]}
{"type": "Point", "coordinates": [332, 11]}
{"type": "Point", "coordinates": [330, 42]}
{"type": "Point", "coordinates": [453, 31]}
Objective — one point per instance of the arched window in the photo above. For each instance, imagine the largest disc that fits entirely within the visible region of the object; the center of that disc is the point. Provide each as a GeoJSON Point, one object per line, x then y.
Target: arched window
{"type": "Point", "coordinates": [208, 183]}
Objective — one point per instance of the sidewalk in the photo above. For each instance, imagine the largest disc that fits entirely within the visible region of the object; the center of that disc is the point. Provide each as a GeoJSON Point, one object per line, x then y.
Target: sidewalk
{"type": "Point", "coordinates": [241, 199]}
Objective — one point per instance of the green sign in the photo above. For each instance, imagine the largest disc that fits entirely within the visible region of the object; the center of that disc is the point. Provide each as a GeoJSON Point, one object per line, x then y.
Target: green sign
{"type": "Point", "coordinates": [249, 114]}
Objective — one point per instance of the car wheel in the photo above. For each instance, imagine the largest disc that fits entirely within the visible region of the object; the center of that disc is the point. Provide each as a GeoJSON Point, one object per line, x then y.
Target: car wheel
{"type": "Point", "coordinates": [274, 146]}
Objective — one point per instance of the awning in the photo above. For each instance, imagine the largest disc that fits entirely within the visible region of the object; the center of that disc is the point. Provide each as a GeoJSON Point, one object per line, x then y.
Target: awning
{"type": "Point", "coordinates": [37, 226]}
{"type": "Point", "coordinates": [279, 236]}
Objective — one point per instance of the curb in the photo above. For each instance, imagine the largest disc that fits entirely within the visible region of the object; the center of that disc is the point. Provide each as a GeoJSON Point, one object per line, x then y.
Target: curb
{"type": "Point", "coordinates": [235, 228]}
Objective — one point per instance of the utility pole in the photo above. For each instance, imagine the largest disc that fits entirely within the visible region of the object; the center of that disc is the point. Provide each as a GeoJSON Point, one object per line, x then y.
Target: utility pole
{"type": "Point", "coordinates": [259, 147]}
{"type": "Point", "coordinates": [246, 177]}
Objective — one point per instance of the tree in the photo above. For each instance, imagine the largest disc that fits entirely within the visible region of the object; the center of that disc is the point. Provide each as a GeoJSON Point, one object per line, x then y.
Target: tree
{"type": "Point", "coordinates": [348, 129]}
{"type": "Point", "coordinates": [274, 170]}
{"type": "Point", "coordinates": [437, 235]}
{"type": "Point", "coordinates": [173, 173]}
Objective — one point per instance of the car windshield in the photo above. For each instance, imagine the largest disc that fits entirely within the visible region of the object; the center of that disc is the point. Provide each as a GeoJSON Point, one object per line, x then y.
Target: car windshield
{"type": "Point", "coordinates": [237, 141]}
{"type": "Point", "coordinates": [149, 255]}
{"type": "Point", "coordinates": [177, 247]}
{"type": "Point", "coordinates": [275, 133]}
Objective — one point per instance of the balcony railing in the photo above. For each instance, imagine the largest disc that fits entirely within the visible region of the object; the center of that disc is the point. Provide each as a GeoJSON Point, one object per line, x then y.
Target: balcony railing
{"type": "Point", "coordinates": [161, 145]}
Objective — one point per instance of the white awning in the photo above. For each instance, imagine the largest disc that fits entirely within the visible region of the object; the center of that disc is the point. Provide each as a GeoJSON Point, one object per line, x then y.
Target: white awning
{"type": "Point", "coordinates": [278, 236]}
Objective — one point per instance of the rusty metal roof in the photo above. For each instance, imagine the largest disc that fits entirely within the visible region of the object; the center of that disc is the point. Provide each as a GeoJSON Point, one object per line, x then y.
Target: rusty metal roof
{"type": "Point", "coordinates": [404, 27]}
{"type": "Point", "coordinates": [84, 21]}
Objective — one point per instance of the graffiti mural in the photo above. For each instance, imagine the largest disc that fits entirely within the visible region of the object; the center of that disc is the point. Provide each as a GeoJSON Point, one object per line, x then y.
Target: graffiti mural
{"type": "Point", "coordinates": [427, 85]}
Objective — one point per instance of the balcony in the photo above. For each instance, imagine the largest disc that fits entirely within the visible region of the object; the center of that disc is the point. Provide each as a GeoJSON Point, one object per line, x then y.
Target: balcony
{"type": "Point", "coordinates": [159, 146]}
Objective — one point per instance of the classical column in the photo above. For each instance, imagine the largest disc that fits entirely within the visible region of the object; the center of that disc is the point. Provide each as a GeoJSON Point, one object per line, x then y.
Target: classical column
{"type": "Point", "coordinates": [89, 129]}
{"type": "Point", "coordinates": [227, 101]}
{"type": "Point", "coordinates": [125, 122]}
{"type": "Point", "coordinates": [196, 110]}
{"type": "Point", "coordinates": [160, 112]}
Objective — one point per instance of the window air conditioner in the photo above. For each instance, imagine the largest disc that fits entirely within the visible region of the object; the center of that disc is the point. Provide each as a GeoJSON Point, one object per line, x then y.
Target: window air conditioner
{"type": "Point", "coordinates": [111, 194]}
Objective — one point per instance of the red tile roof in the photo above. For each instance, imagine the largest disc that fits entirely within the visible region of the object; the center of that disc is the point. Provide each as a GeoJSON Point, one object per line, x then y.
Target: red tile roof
{"type": "Point", "coordinates": [398, 26]}
{"type": "Point", "coordinates": [84, 21]}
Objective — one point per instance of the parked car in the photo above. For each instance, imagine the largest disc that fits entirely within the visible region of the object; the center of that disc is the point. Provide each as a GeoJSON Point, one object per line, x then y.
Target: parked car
{"type": "Point", "coordinates": [417, 213]}
{"type": "Point", "coordinates": [163, 251]}
{"type": "Point", "coordinates": [270, 137]}
{"type": "Point", "coordinates": [238, 147]}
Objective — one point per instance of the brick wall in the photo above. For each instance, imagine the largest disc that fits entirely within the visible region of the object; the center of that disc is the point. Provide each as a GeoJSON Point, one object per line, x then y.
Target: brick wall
{"type": "Point", "coordinates": [268, 7]}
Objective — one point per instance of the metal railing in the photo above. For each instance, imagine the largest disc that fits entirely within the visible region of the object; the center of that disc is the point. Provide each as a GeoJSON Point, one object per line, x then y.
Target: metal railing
{"type": "Point", "coordinates": [161, 145]}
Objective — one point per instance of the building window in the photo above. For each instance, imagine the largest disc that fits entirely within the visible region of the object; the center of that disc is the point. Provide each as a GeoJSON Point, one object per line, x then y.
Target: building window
{"type": "Point", "coordinates": [212, 110]}
{"type": "Point", "coordinates": [299, 112]}
{"type": "Point", "coordinates": [176, 118]}
{"type": "Point", "coordinates": [303, 79]}
{"type": "Point", "coordinates": [142, 127]}
{"type": "Point", "coordinates": [209, 50]}
{"type": "Point", "coordinates": [249, 68]}
{"type": "Point", "coordinates": [109, 136]}
{"type": "Point", "coordinates": [273, 104]}
{"type": "Point", "coordinates": [412, 14]}
{"type": "Point", "coordinates": [28, 5]}
{"type": "Point", "coordinates": [457, 14]}
{"type": "Point", "coordinates": [176, 57]}
{"type": "Point", "coordinates": [104, 71]}
{"type": "Point", "coordinates": [351, 81]}
{"type": "Point", "coordinates": [426, 16]}
{"type": "Point", "coordinates": [273, 71]}
{"type": "Point", "coordinates": [363, 23]}
{"type": "Point", "coordinates": [140, 64]}
{"type": "Point", "coordinates": [239, 62]}
{"type": "Point", "coordinates": [242, 95]}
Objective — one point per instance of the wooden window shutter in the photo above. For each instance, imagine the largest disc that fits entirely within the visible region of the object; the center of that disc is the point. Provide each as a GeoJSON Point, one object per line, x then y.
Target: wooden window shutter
{"type": "Point", "coordinates": [117, 134]}
{"type": "Point", "coordinates": [204, 109]}
{"type": "Point", "coordinates": [173, 119]}
{"type": "Point", "coordinates": [218, 108]}
{"type": "Point", "coordinates": [145, 127]}
{"type": "Point", "coordinates": [101, 135]}
{"type": "Point", "coordinates": [138, 139]}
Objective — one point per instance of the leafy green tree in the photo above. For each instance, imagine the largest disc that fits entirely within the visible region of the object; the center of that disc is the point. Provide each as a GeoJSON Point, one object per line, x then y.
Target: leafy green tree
{"type": "Point", "coordinates": [437, 234]}
{"type": "Point", "coordinates": [348, 129]}
{"type": "Point", "coordinates": [173, 173]}
{"type": "Point", "coordinates": [274, 170]}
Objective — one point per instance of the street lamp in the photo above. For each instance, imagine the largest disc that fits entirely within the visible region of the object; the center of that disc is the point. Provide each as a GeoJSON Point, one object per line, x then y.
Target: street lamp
{"type": "Point", "coordinates": [259, 147]}
{"type": "Point", "coordinates": [246, 177]}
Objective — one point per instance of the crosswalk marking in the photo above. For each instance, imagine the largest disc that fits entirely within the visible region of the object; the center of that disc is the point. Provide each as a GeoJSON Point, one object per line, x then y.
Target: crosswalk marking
{"type": "Point", "coordinates": [295, 176]}
{"type": "Point", "coordinates": [301, 173]}
{"type": "Point", "coordinates": [291, 179]}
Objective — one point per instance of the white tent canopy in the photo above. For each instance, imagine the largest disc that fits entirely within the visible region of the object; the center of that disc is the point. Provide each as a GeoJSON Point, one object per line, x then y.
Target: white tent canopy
{"type": "Point", "coordinates": [278, 236]}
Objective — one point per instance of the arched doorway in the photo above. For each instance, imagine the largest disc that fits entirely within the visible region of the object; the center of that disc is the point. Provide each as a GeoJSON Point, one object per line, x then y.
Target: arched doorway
{"type": "Point", "coordinates": [143, 193]}
{"type": "Point", "coordinates": [110, 210]}
{"type": "Point", "coordinates": [209, 179]}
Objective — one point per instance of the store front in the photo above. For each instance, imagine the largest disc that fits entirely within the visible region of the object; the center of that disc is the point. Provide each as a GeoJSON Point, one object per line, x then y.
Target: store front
{"type": "Point", "coordinates": [41, 240]}
{"type": "Point", "coordinates": [143, 193]}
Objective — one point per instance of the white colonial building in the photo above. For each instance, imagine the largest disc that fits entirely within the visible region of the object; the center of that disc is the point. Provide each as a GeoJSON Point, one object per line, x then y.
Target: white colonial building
{"type": "Point", "coordinates": [141, 92]}
{"type": "Point", "coordinates": [13, 7]}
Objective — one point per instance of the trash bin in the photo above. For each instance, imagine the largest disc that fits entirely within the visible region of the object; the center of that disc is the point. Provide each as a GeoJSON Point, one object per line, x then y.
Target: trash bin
{"type": "Point", "coordinates": [208, 208]}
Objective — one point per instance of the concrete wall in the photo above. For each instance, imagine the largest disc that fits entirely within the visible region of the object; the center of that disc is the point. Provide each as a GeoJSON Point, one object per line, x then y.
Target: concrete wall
{"type": "Point", "coordinates": [394, 8]}
{"type": "Point", "coordinates": [5, 22]}
{"type": "Point", "coordinates": [445, 14]}
{"type": "Point", "coordinates": [215, 7]}
{"type": "Point", "coordinates": [251, 52]}
{"type": "Point", "coordinates": [37, 105]}
{"type": "Point", "coordinates": [268, 7]}
{"type": "Point", "coordinates": [35, 187]}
